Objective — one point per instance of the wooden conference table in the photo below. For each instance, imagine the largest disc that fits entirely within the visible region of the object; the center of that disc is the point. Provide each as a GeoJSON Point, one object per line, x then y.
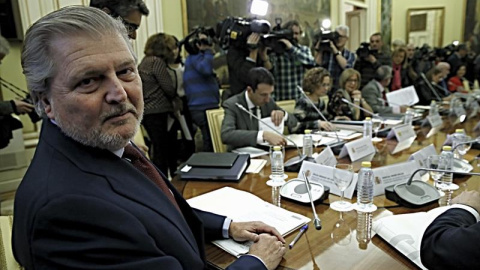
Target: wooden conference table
{"type": "Point", "coordinates": [316, 250]}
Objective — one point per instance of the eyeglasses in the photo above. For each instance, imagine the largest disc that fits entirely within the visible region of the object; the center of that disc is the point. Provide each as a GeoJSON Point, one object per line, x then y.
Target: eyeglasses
{"type": "Point", "coordinates": [131, 27]}
{"type": "Point", "coordinates": [325, 85]}
{"type": "Point", "coordinates": [352, 81]}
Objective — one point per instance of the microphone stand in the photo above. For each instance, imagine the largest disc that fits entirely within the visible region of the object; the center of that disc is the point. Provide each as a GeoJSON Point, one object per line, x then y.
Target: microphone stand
{"type": "Point", "coordinates": [431, 87]}
{"type": "Point", "coordinates": [292, 164]}
{"type": "Point", "coordinates": [409, 182]}
{"type": "Point", "coordinates": [317, 222]}
{"type": "Point", "coordinates": [362, 109]}
{"type": "Point", "coordinates": [319, 112]}
{"type": "Point", "coordinates": [477, 140]}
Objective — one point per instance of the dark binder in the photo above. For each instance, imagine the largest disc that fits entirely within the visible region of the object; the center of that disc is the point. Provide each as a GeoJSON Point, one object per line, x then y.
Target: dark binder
{"type": "Point", "coordinates": [233, 173]}
{"type": "Point", "coordinates": [211, 160]}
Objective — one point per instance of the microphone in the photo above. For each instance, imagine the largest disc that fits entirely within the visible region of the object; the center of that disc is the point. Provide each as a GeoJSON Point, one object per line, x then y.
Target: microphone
{"type": "Point", "coordinates": [292, 164]}
{"type": "Point", "coordinates": [477, 140]}
{"type": "Point", "coordinates": [360, 108]}
{"type": "Point", "coordinates": [430, 86]}
{"type": "Point", "coordinates": [320, 113]}
{"type": "Point", "coordinates": [317, 222]}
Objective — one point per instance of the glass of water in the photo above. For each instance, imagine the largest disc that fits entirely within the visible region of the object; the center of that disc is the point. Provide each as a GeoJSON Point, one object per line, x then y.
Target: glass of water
{"type": "Point", "coordinates": [436, 162]}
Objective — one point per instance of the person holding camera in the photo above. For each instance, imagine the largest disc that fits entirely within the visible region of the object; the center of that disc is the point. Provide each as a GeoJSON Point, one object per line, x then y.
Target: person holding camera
{"type": "Point", "coordinates": [335, 57]}
{"type": "Point", "coordinates": [201, 85]}
{"type": "Point", "coordinates": [289, 67]}
{"type": "Point", "coordinates": [368, 63]}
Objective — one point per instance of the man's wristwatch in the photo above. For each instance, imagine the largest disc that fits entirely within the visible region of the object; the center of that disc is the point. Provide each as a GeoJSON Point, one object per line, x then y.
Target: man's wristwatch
{"type": "Point", "coordinates": [337, 53]}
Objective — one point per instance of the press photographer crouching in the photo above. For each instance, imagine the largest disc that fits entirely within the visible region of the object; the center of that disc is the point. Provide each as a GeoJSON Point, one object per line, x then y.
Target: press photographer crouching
{"type": "Point", "coordinates": [331, 52]}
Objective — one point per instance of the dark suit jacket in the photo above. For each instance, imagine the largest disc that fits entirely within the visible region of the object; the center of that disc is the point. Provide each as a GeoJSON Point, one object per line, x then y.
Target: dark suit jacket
{"type": "Point", "coordinates": [452, 241]}
{"type": "Point", "coordinates": [80, 207]}
{"type": "Point", "coordinates": [239, 129]}
{"type": "Point", "coordinates": [371, 93]}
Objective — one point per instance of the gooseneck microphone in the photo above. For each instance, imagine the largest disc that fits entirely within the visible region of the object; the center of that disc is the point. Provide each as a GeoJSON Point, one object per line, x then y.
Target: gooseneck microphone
{"type": "Point", "coordinates": [409, 182]}
{"type": "Point", "coordinates": [317, 222]}
{"type": "Point", "coordinates": [477, 140]}
{"type": "Point", "coordinates": [360, 108]}
{"type": "Point", "coordinates": [318, 111]}
{"type": "Point", "coordinates": [292, 164]}
{"type": "Point", "coordinates": [437, 96]}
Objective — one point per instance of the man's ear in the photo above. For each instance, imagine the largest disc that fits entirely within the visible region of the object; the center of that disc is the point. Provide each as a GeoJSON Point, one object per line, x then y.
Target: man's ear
{"type": "Point", "coordinates": [107, 10]}
{"type": "Point", "coordinates": [249, 90]}
{"type": "Point", "coordinates": [47, 106]}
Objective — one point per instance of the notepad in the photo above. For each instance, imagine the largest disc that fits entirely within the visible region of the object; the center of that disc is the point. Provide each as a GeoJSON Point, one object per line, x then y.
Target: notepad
{"type": "Point", "coordinates": [212, 160]}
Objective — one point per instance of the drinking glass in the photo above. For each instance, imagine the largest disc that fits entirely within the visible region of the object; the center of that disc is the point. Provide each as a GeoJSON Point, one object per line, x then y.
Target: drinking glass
{"type": "Point", "coordinates": [436, 162]}
{"type": "Point", "coordinates": [459, 143]}
{"type": "Point", "coordinates": [316, 138]}
{"type": "Point", "coordinates": [341, 233]}
{"type": "Point", "coordinates": [376, 124]}
{"type": "Point", "coordinates": [342, 176]}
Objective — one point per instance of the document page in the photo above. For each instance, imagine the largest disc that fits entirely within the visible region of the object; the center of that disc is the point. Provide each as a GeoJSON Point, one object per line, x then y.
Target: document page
{"type": "Point", "coordinates": [244, 206]}
{"type": "Point", "coordinates": [406, 96]}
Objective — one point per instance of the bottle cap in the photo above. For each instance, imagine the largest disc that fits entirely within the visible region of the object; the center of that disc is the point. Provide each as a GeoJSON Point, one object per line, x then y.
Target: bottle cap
{"type": "Point", "coordinates": [366, 164]}
{"type": "Point", "coordinates": [368, 118]}
{"type": "Point", "coordinates": [433, 102]}
{"type": "Point", "coordinates": [308, 131]}
{"type": "Point", "coordinates": [447, 148]}
{"type": "Point", "coordinates": [459, 130]}
{"type": "Point", "coordinates": [277, 148]}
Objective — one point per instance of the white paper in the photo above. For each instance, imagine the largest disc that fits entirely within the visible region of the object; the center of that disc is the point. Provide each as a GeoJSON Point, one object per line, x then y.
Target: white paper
{"type": "Point", "coordinates": [252, 151]}
{"type": "Point", "coordinates": [317, 140]}
{"type": "Point", "coordinates": [357, 149]}
{"type": "Point", "coordinates": [326, 157]}
{"type": "Point", "coordinates": [404, 97]}
{"type": "Point", "coordinates": [322, 174]}
{"type": "Point", "coordinates": [342, 134]}
{"type": "Point", "coordinates": [393, 174]}
{"type": "Point", "coordinates": [402, 132]}
{"type": "Point", "coordinates": [244, 206]}
{"type": "Point", "coordinates": [268, 121]}
{"type": "Point", "coordinates": [256, 165]}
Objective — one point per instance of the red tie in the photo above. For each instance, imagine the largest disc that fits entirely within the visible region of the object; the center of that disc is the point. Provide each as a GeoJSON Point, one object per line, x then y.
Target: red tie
{"type": "Point", "coordinates": [139, 161]}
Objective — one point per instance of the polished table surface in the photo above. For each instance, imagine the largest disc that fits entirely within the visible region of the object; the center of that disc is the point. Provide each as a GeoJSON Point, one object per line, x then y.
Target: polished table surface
{"type": "Point", "coordinates": [316, 250]}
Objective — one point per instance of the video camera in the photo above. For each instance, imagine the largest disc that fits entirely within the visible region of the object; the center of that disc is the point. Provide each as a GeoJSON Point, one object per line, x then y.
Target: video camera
{"type": "Point", "coordinates": [34, 117]}
{"type": "Point", "coordinates": [235, 31]}
{"type": "Point", "coordinates": [323, 38]}
{"type": "Point", "coordinates": [191, 40]}
{"type": "Point", "coordinates": [364, 50]}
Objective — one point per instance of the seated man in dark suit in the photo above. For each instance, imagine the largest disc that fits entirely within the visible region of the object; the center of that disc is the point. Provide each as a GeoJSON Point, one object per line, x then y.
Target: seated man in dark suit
{"type": "Point", "coordinates": [241, 129]}
{"type": "Point", "coordinates": [452, 241]}
{"type": "Point", "coordinates": [90, 199]}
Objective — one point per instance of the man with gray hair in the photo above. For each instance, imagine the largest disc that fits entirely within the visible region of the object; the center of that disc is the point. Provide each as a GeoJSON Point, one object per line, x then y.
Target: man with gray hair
{"type": "Point", "coordinates": [336, 58]}
{"type": "Point", "coordinates": [374, 91]}
{"type": "Point", "coordinates": [90, 199]}
{"type": "Point", "coordinates": [130, 11]}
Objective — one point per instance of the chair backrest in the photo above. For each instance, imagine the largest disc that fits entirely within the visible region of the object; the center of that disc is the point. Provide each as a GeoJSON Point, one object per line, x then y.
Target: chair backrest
{"type": "Point", "coordinates": [215, 119]}
{"type": "Point", "coordinates": [7, 261]}
{"type": "Point", "coordinates": [287, 105]}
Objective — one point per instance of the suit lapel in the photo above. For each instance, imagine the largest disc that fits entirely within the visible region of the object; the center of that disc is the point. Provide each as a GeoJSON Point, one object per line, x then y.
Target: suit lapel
{"type": "Point", "coordinates": [251, 122]}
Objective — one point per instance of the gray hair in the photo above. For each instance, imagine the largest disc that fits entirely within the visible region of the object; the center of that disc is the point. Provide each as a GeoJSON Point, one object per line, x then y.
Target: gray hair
{"type": "Point", "coordinates": [383, 72]}
{"type": "Point", "coordinates": [343, 28]}
{"type": "Point", "coordinates": [38, 53]}
{"type": "Point", "coordinates": [4, 46]}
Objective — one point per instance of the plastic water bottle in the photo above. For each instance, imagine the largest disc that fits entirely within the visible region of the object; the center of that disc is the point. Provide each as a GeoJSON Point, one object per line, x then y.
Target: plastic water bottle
{"type": "Point", "coordinates": [367, 127]}
{"type": "Point", "coordinates": [433, 108]}
{"type": "Point", "coordinates": [364, 229]}
{"type": "Point", "coordinates": [447, 178]}
{"type": "Point", "coordinates": [277, 164]}
{"type": "Point", "coordinates": [408, 119]}
{"type": "Point", "coordinates": [365, 186]}
{"type": "Point", "coordinates": [307, 143]}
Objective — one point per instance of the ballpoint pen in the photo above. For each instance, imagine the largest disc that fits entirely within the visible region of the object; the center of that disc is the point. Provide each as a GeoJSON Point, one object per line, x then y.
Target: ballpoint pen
{"type": "Point", "coordinates": [300, 233]}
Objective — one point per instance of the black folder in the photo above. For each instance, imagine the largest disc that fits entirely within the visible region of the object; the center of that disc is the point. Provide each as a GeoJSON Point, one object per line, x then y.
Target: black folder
{"type": "Point", "coordinates": [212, 160]}
{"type": "Point", "coordinates": [234, 173]}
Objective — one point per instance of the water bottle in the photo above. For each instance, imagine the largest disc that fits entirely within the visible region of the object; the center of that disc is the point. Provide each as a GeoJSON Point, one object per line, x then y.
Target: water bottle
{"type": "Point", "coordinates": [365, 186]}
{"type": "Point", "coordinates": [307, 143]}
{"type": "Point", "coordinates": [447, 178]}
{"type": "Point", "coordinates": [367, 127]}
{"type": "Point", "coordinates": [457, 137]}
{"type": "Point", "coordinates": [277, 164]}
{"type": "Point", "coordinates": [364, 228]}
{"type": "Point", "coordinates": [433, 108]}
{"type": "Point", "coordinates": [408, 117]}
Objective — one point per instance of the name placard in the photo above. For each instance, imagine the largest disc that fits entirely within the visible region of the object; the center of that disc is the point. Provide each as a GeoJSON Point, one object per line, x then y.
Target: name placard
{"type": "Point", "coordinates": [357, 149]}
{"type": "Point", "coordinates": [402, 145]}
{"type": "Point", "coordinates": [435, 120]}
{"type": "Point", "coordinates": [326, 157]}
{"type": "Point", "coordinates": [322, 174]}
{"type": "Point", "coordinates": [402, 132]}
{"type": "Point", "coordinates": [422, 155]}
{"type": "Point", "coordinates": [392, 175]}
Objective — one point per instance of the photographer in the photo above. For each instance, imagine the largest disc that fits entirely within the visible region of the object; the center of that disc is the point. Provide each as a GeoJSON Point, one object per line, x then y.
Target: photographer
{"type": "Point", "coordinates": [369, 62]}
{"type": "Point", "coordinates": [457, 59]}
{"type": "Point", "coordinates": [200, 82]}
{"type": "Point", "coordinates": [240, 59]}
{"type": "Point", "coordinates": [335, 57]}
{"type": "Point", "coordinates": [290, 66]}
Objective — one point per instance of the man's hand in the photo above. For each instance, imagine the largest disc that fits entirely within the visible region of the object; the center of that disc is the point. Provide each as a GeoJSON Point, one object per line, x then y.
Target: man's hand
{"type": "Point", "coordinates": [23, 107]}
{"type": "Point", "coordinates": [346, 118]}
{"type": "Point", "coordinates": [333, 47]}
{"type": "Point", "coordinates": [403, 109]}
{"type": "Point", "coordinates": [326, 125]}
{"type": "Point", "coordinates": [203, 47]}
{"type": "Point", "coordinates": [277, 117]}
{"type": "Point", "coordinates": [269, 249]}
{"type": "Point", "coordinates": [371, 58]}
{"type": "Point", "coordinates": [287, 43]}
{"type": "Point", "coordinates": [249, 231]}
{"type": "Point", "coordinates": [273, 138]}
{"type": "Point", "coordinates": [470, 198]}
{"type": "Point", "coordinates": [356, 94]}
{"type": "Point", "coordinates": [253, 39]}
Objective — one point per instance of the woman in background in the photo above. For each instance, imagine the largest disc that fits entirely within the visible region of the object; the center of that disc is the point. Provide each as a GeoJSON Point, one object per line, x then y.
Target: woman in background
{"type": "Point", "coordinates": [400, 77]}
{"type": "Point", "coordinates": [455, 83]}
{"type": "Point", "coordinates": [349, 82]}
{"type": "Point", "coordinates": [316, 84]}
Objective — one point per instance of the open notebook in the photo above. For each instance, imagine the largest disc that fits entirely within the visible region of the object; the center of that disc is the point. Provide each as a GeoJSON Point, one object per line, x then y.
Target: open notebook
{"type": "Point", "coordinates": [244, 206]}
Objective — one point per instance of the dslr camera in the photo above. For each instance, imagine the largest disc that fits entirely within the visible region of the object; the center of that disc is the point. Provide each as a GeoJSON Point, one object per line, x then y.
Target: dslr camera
{"type": "Point", "coordinates": [192, 40]}
{"type": "Point", "coordinates": [364, 50]}
{"type": "Point", "coordinates": [323, 38]}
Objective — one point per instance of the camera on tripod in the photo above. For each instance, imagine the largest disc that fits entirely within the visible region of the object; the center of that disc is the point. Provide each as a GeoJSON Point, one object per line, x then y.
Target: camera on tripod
{"type": "Point", "coordinates": [364, 50]}
{"type": "Point", "coordinates": [192, 40]}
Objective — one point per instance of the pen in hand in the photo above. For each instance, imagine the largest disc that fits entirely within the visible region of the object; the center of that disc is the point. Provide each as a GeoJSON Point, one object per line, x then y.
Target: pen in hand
{"type": "Point", "coordinates": [300, 233]}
